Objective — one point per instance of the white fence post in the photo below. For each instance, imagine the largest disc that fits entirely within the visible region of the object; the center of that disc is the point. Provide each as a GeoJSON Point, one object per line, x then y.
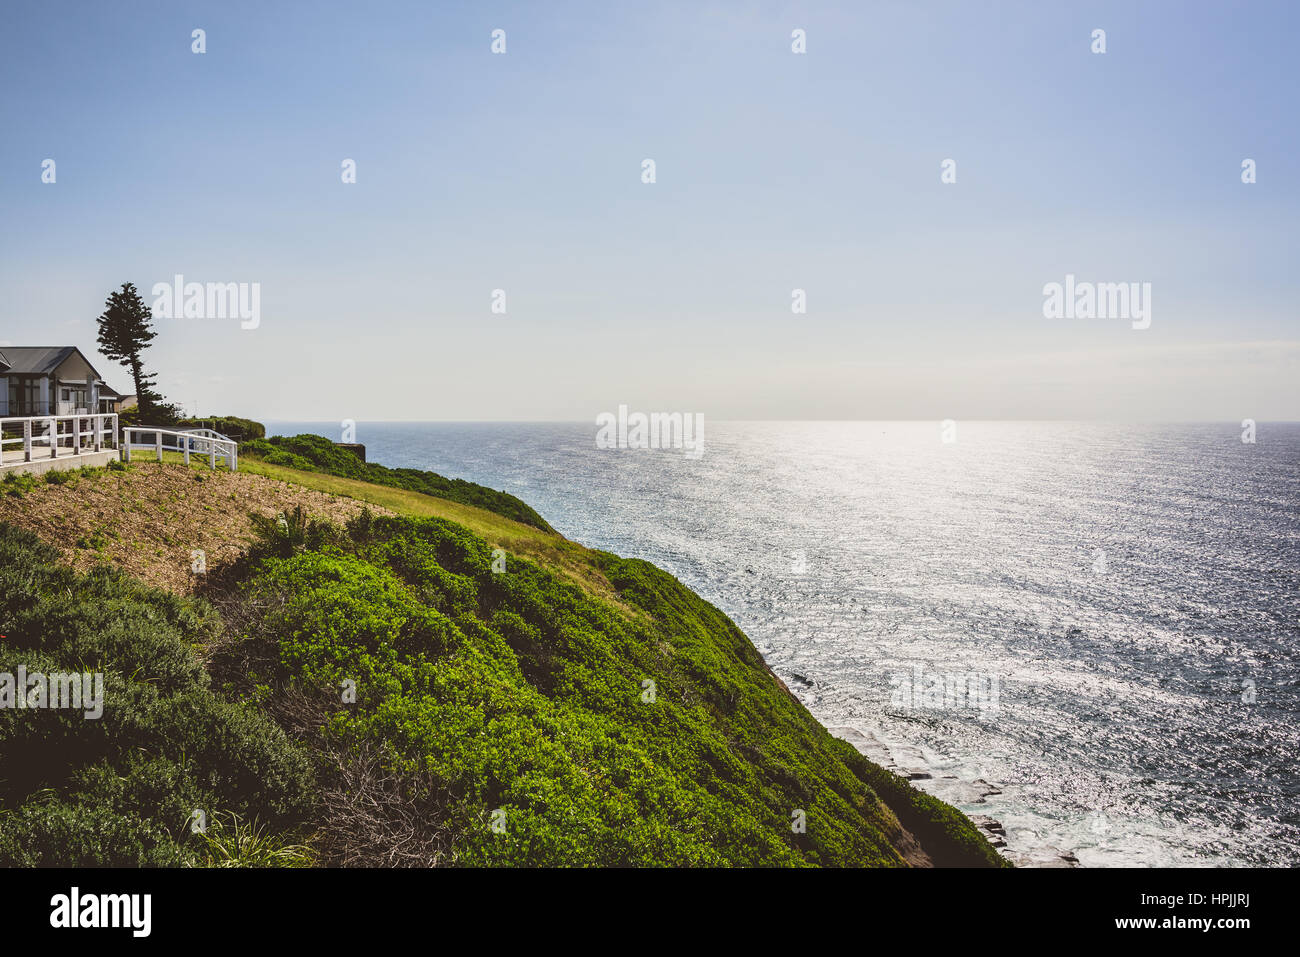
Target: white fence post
{"type": "Point", "coordinates": [54, 438]}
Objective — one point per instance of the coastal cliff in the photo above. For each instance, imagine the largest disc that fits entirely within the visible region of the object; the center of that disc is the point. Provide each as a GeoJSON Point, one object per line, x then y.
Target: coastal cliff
{"type": "Point", "coordinates": [386, 667]}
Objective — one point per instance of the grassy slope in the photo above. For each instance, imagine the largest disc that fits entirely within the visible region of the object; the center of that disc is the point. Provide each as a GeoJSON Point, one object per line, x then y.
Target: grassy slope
{"type": "Point", "coordinates": [315, 453]}
{"type": "Point", "coordinates": [523, 692]}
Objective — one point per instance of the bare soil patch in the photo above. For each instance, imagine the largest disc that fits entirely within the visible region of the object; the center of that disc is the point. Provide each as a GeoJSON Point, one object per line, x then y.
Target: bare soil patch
{"type": "Point", "coordinates": [149, 519]}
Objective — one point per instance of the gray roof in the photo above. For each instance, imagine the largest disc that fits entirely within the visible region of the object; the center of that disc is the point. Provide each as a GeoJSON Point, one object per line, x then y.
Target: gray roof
{"type": "Point", "coordinates": [36, 360]}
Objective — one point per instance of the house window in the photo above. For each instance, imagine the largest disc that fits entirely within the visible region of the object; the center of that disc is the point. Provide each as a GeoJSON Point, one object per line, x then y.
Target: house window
{"type": "Point", "coordinates": [25, 396]}
{"type": "Point", "coordinates": [72, 397]}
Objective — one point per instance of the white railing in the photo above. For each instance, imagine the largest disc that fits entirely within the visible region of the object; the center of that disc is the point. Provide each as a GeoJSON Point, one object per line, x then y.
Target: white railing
{"type": "Point", "coordinates": [197, 441]}
{"type": "Point", "coordinates": [47, 430]}
{"type": "Point", "coordinates": [206, 433]}
{"type": "Point", "coordinates": [186, 443]}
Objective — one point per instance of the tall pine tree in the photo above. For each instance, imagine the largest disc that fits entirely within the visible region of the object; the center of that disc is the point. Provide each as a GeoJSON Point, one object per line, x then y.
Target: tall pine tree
{"type": "Point", "coordinates": [124, 333]}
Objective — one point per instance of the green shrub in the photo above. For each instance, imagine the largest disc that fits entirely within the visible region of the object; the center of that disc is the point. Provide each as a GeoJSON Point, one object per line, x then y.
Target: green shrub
{"type": "Point", "coordinates": [120, 789]}
{"type": "Point", "coordinates": [18, 485]}
{"type": "Point", "coordinates": [290, 531]}
{"type": "Point", "coordinates": [231, 426]}
{"type": "Point", "coordinates": [54, 833]}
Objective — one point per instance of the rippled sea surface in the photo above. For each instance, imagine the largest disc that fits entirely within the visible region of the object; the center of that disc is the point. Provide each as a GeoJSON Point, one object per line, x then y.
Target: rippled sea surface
{"type": "Point", "coordinates": [1134, 592]}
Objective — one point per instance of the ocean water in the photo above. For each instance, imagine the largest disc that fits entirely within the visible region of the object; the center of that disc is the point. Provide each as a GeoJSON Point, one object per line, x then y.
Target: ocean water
{"type": "Point", "coordinates": [1110, 613]}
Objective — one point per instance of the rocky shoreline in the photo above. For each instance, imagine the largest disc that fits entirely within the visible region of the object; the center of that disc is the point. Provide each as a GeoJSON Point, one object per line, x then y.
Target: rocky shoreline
{"type": "Point", "coordinates": [907, 762]}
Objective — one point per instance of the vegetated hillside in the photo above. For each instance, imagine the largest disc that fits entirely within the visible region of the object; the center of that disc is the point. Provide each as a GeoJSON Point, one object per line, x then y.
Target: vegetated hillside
{"type": "Point", "coordinates": [435, 711]}
{"type": "Point", "coordinates": [313, 453]}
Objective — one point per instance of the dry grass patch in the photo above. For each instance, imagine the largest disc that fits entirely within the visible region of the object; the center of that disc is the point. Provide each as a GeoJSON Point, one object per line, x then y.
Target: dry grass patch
{"type": "Point", "coordinates": [150, 517]}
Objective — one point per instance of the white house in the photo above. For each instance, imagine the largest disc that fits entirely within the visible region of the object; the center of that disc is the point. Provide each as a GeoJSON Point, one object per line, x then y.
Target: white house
{"type": "Point", "coordinates": [48, 380]}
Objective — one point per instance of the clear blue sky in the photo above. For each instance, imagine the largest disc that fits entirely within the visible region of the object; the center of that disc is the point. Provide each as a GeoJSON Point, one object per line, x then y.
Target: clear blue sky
{"type": "Point", "coordinates": [775, 171]}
